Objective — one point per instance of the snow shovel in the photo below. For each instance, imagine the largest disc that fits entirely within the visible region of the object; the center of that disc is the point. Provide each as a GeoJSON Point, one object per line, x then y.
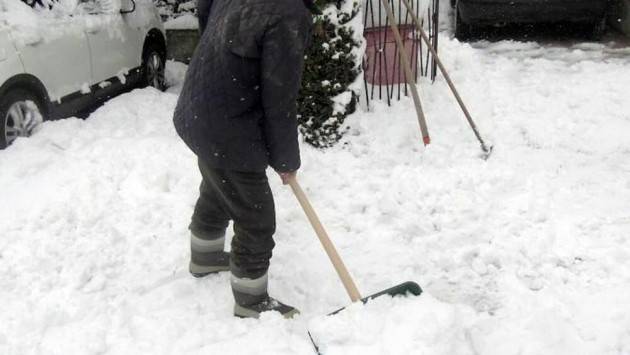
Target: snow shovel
{"type": "Point", "coordinates": [404, 288]}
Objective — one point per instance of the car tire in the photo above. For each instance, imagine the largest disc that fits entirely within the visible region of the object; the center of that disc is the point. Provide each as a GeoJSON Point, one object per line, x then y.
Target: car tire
{"type": "Point", "coordinates": [21, 113]}
{"type": "Point", "coordinates": [463, 31]}
{"type": "Point", "coordinates": [153, 67]}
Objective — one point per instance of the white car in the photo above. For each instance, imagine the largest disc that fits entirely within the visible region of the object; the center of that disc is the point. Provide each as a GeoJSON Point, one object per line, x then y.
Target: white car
{"type": "Point", "coordinates": [58, 57]}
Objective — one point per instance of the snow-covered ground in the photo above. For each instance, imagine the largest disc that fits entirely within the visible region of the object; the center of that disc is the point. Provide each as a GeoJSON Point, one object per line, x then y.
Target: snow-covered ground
{"type": "Point", "coordinates": [525, 253]}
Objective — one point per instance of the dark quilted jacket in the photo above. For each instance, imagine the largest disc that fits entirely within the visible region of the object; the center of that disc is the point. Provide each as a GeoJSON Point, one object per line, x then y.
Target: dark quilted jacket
{"type": "Point", "coordinates": [237, 108]}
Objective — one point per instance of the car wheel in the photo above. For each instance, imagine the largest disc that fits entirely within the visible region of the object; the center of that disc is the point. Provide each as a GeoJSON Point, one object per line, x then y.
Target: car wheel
{"type": "Point", "coordinates": [153, 69]}
{"type": "Point", "coordinates": [463, 31]}
{"type": "Point", "coordinates": [20, 116]}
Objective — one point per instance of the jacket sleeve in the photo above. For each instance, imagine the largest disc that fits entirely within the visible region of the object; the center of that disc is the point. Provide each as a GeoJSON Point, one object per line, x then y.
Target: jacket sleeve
{"type": "Point", "coordinates": [282, 58]}
{"type": "Point", "coordinates": [203, 11]}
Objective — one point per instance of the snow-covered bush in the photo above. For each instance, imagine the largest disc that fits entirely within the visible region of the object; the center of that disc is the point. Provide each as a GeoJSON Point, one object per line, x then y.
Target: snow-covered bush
{"type": "Point", "coordinates": [332, 73]}
{"type": "Point", "coordinates": [171, 9]}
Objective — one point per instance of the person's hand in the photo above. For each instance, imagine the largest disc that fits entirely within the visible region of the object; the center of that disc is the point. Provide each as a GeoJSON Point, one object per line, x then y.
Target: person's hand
{"type": "Point", "coordinates": [287, 176]}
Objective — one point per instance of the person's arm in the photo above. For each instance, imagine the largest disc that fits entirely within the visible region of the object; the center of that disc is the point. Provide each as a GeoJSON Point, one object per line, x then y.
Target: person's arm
{"type": "Point", "coordinates": [283, 48]}
{"type": "Point", "coordinates": [203, 11]}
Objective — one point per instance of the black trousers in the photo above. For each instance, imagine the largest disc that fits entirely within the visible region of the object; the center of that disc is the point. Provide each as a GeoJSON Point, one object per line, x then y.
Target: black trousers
{"type": "Point", "coordinates": [246, 199]}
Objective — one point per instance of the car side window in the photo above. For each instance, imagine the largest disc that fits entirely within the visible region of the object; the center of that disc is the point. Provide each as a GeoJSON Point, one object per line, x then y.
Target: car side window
{"type": "Point", "coordinates": [54, 8]}
{"type": "Point", "coordinates": [41, 4]}
{"type": "Point", "coordinates": [90, 6]}
{"type": "Point", "coordinates": [98, 6]}
{"type": "Point", "coordinates": [33, 3]}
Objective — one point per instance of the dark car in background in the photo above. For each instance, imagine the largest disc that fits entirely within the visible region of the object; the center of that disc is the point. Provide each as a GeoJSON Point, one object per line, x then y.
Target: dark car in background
{"type": "Point", "coordinates": [472, 14]}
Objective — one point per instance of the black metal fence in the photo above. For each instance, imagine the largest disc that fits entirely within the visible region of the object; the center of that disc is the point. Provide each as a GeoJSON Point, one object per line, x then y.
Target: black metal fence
{"type": "Point", "coordinates": [383, 74]}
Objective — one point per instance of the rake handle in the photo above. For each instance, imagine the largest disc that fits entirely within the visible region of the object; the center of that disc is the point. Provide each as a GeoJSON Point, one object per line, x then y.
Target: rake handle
{"type": "Point", "coordinates": [341, 269]}
{"type": "Point", "coordinates": [409, 77]}
{"type": "Point", "coordinates": [447, 77]}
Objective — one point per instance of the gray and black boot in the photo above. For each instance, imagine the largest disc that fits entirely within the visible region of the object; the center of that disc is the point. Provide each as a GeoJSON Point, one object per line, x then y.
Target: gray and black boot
{"type": "Point", "coordinates": [207, 256]}
{"type": "Point", "coordinates": [251, 298]}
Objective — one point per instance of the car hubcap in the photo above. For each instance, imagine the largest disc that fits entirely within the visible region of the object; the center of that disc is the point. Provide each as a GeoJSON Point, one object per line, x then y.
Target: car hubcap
{"type": "Point", "coordinates": [21, 120]}
{"type": "Point", "coordinates": [155, 71]}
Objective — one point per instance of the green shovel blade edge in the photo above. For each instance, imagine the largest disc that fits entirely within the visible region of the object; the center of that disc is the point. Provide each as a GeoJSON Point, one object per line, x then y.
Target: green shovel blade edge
{"type": "Point", "coordinates": [404, 289]}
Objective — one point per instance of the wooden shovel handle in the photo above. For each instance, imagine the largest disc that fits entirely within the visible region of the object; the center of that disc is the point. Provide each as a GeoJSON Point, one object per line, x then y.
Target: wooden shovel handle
{"type": "Point", "coordinates": [343, 273]}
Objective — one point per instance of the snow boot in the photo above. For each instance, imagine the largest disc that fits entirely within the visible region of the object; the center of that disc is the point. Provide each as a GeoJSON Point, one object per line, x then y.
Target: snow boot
{"type": "Point", "coordinates": [207, 256]}
{"type": "Point", "coordinates": [222, 263]}
{"type": "Point", "coordinates": [269, 304]}
{"type": "Point", "coordinates": [251, 299]}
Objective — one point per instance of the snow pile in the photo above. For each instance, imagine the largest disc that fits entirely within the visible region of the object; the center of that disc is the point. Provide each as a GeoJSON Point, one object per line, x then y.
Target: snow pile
{"type": "Point", "coordinates": [20, 19]}
{"type": "Point", "coordinates": [526, 253]}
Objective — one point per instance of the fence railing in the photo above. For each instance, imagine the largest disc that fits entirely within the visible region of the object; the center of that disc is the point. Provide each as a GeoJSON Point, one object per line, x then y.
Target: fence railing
{"type": "Point", "coordinates": [383, 74]}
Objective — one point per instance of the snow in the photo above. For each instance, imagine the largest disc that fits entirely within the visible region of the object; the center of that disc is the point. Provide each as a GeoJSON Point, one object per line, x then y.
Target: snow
{"type": "Point", "coordinates": [85, 88]}
{"type": "Point", "coordinates": [525, 253]}
{"type": "Point", "coordinates": [19, 17]}
{"type": "Point", "coordinates": [66, 18]}
{"type": "Point", "coordinates": [122, 75]}
{"type": "Point", "coordinates": [340, 102]}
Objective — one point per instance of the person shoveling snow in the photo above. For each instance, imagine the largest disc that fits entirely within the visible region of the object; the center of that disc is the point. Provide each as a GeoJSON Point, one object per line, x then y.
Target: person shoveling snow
{"type": "Point", "coordinates": [237, 113]}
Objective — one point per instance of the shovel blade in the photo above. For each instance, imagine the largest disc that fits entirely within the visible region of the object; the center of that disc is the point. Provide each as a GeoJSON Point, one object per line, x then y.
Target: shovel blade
{"type": "Point", "coordinates": [403, 289]}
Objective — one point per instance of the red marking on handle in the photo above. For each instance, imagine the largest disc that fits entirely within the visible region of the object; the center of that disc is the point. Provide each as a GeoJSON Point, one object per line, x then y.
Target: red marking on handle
{"type": "Point", "coordinates": [426, 140]}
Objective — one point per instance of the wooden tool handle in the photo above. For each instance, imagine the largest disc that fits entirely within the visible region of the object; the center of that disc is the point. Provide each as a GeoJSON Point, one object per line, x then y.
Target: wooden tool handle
{"type": "Point", "coordinates": [343, 273]}
{"type": "Point", "coordinates": [409, 77]}
{"type": "Point", "coordinates": [447, 77]}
